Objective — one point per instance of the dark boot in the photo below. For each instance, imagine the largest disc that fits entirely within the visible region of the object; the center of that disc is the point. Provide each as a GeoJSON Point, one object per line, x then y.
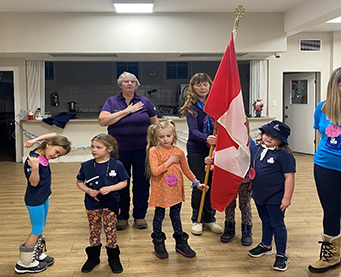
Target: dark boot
{"type": "Point", "coordinates": [182, 246]}
{"type": "Point", "coordinates": [93, 253]}
{"type": "Point", "coordinates": [42, 257]}
{"type": "Point", "coordinates": [246, 234]}
{"type": "Point", "coordinates": [229, 232]}
{"type": "Point", "coordinates": [159, 246]}
{"type": "Point", "coordinates": [114, 259]}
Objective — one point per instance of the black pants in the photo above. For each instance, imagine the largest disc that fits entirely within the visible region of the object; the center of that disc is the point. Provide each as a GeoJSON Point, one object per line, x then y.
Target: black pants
{"type": "Point", "coordinates": [328, 184]}
{"type": "Point", "coordinates": [134, 163]}
{"type": "Point", "coordinates": [196, 163]}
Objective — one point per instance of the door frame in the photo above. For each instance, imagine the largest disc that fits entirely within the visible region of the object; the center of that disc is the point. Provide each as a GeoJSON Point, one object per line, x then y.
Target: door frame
{"type": "Point", "coordinates": [17, 101]}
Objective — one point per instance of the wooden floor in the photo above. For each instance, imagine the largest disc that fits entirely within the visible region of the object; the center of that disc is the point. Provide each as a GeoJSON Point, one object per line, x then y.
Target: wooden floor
{"type": "Point", "coordinates": [67, 233]}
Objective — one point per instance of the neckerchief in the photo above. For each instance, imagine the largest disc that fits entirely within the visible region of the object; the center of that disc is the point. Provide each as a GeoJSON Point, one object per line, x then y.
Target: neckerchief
{"type": "Point", "coordinates": [265, 150]}
{"type": "Point", "coordinates": [208, 121]}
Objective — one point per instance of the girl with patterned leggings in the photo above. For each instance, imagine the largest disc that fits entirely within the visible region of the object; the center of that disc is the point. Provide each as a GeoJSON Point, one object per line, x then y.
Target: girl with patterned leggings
{"type": "Point", "coordinates": [101, 178]}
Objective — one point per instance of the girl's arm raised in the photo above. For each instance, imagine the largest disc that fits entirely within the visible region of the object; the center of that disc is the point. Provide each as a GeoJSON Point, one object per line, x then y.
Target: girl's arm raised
{"type": "Point", "coordinates": [30, 142]}
{"type": "Point", "coordinates": [288, 190]}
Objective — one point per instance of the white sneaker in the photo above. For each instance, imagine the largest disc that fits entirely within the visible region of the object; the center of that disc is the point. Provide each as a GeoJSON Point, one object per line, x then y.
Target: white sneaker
{"type": "Point", "coordinates": [197, 229]}
{"type": "Point", "coordinates": [213, 227]}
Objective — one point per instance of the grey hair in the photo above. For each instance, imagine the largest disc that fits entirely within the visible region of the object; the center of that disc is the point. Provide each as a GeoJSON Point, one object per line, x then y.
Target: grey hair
{"type": "Point", "coordinates": [130, 76]}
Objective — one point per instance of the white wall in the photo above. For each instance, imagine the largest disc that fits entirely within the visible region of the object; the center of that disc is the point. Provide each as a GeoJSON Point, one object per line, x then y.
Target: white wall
{"type": "Point", "coordinates": [156, 33]}
{"type": "Point", "coordinates": [295, 61]}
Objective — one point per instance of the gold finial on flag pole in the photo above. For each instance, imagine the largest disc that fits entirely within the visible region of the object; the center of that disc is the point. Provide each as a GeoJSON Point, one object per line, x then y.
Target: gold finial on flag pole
{"type": "Point", "coordinates": [238, 12]}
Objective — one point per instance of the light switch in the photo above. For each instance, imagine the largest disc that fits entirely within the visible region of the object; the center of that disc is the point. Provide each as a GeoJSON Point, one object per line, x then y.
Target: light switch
{"type": "Point", "coordinates": [274, 103]}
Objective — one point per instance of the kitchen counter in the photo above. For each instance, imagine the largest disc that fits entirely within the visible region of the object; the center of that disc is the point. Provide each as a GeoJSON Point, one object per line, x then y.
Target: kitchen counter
{"type": "Point", "coordinates": [81, 130]}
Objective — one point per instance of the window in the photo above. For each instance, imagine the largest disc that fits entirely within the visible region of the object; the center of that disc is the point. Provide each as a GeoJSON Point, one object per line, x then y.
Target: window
{"type": "Point", "coordinates": [132, 67]}
{"type": "Point", "coordinates": [177, 70]}
{"type": "Point", "coordinates": [49, 71]}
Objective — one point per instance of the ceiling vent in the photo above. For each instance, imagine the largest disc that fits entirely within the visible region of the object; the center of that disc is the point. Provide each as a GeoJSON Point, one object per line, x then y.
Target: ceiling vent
{"type": "Point", "coordinates": [310, 45]}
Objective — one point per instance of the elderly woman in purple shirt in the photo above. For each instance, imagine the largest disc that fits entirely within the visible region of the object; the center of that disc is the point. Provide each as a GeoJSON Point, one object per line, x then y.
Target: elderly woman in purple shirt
{"type": "Point", "coordinates": [128, 116]}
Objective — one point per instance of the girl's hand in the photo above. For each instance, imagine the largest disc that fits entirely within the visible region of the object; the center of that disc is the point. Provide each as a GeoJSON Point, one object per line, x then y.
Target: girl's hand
{"type": "Point", "coordinates": [33, 162]}
{"type": "Point", "coordinates": [105, 190]}
{"type": "Point", "coordinates": [136, 107]}
{"type": "Point", "coordinates": [29, 143]}
{"type": "Point", "coordinates": [285, 204]}
{"type": "Point", "coordinates": [211, 167]}
{"type": "Point", "coordinates": [208, 160]}
{"type": "Point", "coordinates": [211, 140]}
{"type": "Point", "coordinates": [173, 159]}
{"type": "Point", "coordinates": [202, 187]}
{"type": "Point", "coordinates": [93, 193]}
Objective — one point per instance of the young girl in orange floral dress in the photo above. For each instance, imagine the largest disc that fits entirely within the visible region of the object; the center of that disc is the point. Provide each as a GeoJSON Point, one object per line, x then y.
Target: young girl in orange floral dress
{"type": "Point", "coordinates": [166, 164]}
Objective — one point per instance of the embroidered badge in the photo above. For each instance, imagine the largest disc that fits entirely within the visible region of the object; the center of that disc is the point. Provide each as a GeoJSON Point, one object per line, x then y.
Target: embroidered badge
{"type": "Point", "coordinates": [271, 160]}
{"type": "Point", "coordinates": [112, 173]}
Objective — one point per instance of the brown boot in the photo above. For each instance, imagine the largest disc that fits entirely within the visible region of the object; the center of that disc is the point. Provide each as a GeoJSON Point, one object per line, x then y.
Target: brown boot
{"type": "Point", "coordinates": [329, 255]}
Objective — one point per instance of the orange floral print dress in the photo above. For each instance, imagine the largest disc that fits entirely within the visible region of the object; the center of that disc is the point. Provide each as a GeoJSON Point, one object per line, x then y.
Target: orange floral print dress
{"type": "Point", "coordinates": [162, 194]}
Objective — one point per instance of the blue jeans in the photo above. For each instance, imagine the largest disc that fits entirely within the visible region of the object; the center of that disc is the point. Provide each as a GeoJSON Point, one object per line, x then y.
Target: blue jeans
{"type": "Point", "coordinates": [134, 163]}
{"type": "Point", "coordinates": [273, 225]}
{"type": "Point", "coordinates": [328, 184]}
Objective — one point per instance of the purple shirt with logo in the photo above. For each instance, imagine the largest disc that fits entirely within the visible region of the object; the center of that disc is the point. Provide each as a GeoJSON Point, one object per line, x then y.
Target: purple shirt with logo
{"type": "Point", "coordinates": [130, 131]}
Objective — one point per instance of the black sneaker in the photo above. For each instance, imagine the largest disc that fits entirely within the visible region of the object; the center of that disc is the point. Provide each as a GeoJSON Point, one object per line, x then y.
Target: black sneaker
{"type": "Point", "coordinates": [260, 250]}
{"type": "Point", "coordinates": [281, 262]}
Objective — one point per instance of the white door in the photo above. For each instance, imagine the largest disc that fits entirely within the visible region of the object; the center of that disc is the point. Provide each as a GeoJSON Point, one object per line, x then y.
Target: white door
{"type": "Point", "coordinates": [299, 106]}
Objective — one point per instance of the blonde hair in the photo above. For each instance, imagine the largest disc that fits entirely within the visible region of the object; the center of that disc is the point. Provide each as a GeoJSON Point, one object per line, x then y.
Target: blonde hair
{"type": "Point", "coordinates": [56, 141]}
{"type": "Point", "coordinates": [332, 107]}
{"type": "Point", "coordinates": [108, 141]}
{"type": "Point", "coordinates": [152, 139]}
{"type": "Point", "coordinates": [192, 97]}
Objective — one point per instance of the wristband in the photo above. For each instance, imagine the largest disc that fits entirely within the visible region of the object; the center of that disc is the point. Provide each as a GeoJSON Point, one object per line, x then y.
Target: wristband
{"type": "Point", "coordinates": [129, 110]}
{"type": "Point", "coordinates": [197, 182]}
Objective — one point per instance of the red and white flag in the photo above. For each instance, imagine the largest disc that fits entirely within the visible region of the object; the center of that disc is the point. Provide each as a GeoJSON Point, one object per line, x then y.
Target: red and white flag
{"type": "Point", "coordinates": [232, 154]}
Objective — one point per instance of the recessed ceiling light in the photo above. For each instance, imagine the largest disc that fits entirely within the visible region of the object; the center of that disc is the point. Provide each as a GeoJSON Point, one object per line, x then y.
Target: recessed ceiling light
{"type": "Point", "coordinates": [335, 20]}
{"type": "Point", "coordinates": [133, 6]}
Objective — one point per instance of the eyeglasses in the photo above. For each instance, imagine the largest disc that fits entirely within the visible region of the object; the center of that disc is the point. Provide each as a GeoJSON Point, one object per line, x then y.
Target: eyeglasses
{"type": "Point", "coordinates": [202, 85]}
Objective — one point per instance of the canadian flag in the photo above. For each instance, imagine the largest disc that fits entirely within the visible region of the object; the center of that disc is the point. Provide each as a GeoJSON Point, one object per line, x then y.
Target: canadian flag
{"type": "Point", "coordinates": [232, 154]}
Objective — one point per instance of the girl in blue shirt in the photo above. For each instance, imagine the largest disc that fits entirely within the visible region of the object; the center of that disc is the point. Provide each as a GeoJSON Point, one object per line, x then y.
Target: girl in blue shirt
{"type": "Point", "coordinates": [101, 178]}
{"type": "Point", "coordinates": [327, 173]}
{"type": "Point", "coordinates": [272, 173]}
{"type": "Point", "coordinates": [38, 174]}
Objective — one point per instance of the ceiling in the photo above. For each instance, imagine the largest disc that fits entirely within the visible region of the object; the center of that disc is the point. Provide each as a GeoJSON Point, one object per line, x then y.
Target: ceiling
{"type": "Point", "coordinates": [175, 6]}
{"type": "Point", "coordinates": [166, 6]}
{"type": "Point", "coordinates": [299, 16]}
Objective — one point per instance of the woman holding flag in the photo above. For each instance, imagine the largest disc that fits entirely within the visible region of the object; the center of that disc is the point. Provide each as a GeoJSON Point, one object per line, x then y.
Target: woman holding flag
{"type": "Point", "coordinates": [200, 138]}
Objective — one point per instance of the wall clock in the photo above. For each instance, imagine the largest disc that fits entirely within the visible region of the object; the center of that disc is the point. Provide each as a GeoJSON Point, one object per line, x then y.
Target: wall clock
{"type": "Point", "coordinates": [152, 72]}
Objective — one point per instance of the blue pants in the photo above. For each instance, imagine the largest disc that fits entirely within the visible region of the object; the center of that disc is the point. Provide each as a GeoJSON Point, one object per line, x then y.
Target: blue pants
{"type": "Point", "coordinates": [38, 215]}
{"type": "Point", "coordinates": [134, 163]}
{"type": "Point", "coordinates": [196, 163]}
{"type": "Point", "coordinates": [174, 214]}
{"type": "Point", "coordinates": [273, 225]}
{"type": "Point", "coordinates": [328, 184]}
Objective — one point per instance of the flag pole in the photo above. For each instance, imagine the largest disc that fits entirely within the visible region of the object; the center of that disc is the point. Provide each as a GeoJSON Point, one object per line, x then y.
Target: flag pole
{"type": "Point", "coordinates": [239, 12]}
